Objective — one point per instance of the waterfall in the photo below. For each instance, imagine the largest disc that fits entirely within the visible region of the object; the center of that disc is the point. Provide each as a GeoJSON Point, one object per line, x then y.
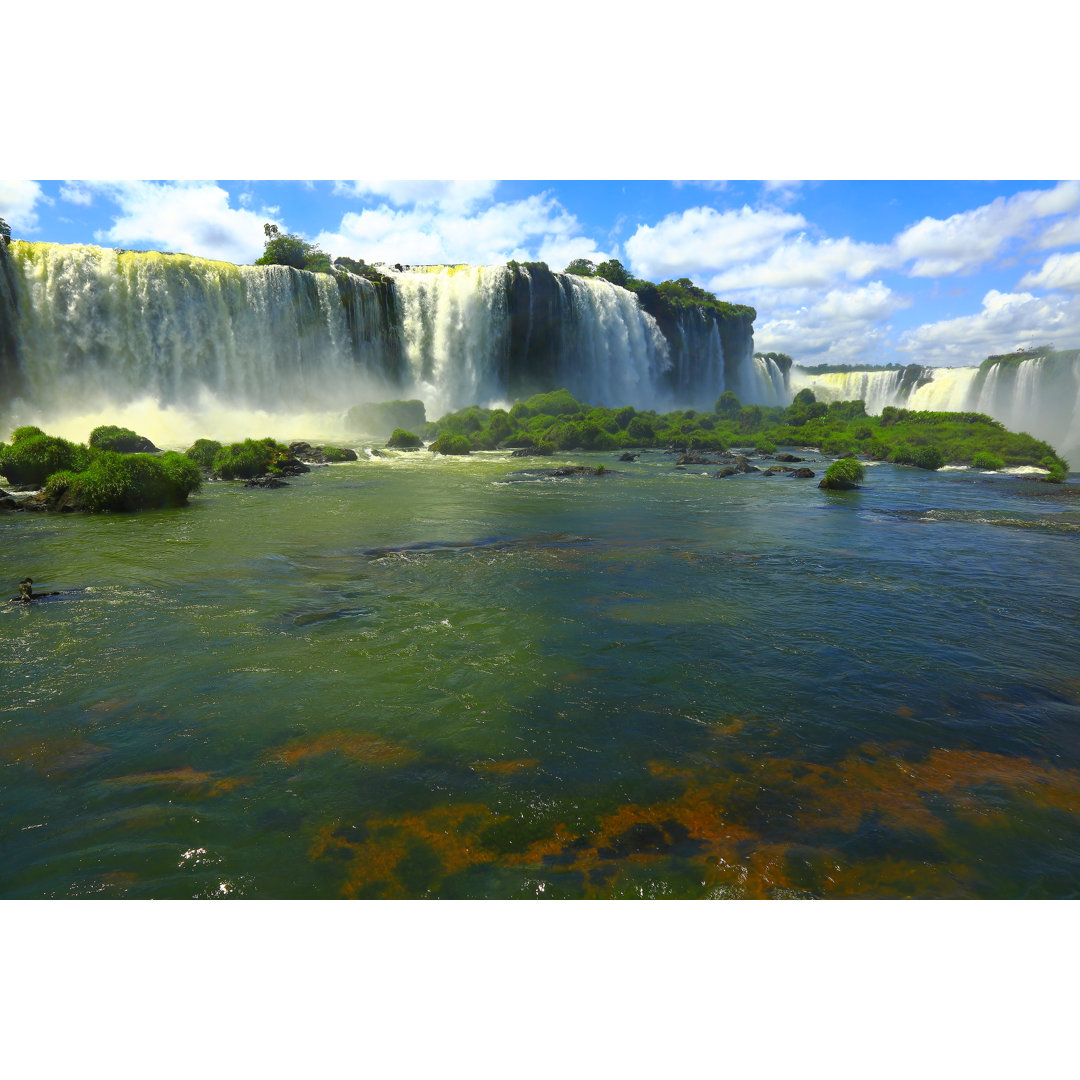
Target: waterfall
{"type": "Point", "coordinates": [876, 388]}
{"type": "Point", "coordinates": [104, 333]}
{"type": "Point", "coordinates": [181, 347]}
{"type": "Point", "coordinates": [612, 352]}
{"type": "Point", "coordinates": [1040, 396]}
{"type": "Point", "coordinates": [456, 335]}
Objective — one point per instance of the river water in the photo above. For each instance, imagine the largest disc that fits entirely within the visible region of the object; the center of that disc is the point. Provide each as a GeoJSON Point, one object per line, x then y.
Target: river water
{"type": "Point", "coordinates": [409, 677]}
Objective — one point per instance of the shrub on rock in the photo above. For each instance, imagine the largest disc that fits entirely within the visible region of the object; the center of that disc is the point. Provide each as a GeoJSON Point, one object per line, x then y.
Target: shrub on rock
{"type": "Point", "coordinates": [242, 461]}
{"type": "Point", "coordinates": [451, 444]}
{"type": "Point", "coordinates": [122, 440]}
{"type": "Point", "coordinates": [338, 453]}
{"type": "Point", "coordinates": [124, 482]}
{"type": "Point", "coordinates": [34, 456]}
{"type": "Point", "coordinates": [843, 475]}
{"type": "Point", "coordinates": [403, 440]}
{"type": "Point", "coordinates": [202, 452]}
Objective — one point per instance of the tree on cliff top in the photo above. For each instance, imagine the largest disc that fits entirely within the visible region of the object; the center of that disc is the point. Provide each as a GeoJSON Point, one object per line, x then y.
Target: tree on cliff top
{"type": "Point", "coordinates": [288, 249]}
{"type": "Point", "coordinates": [5, 231]}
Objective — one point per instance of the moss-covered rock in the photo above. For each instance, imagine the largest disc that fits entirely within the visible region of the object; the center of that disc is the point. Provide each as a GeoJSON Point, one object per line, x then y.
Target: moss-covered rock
{"type": "Point", "coordinates": [122, 440]}
{"type": "Point", "coordinates": [202, 452]}
{"type": "Point", "coordinates": [124, 482]}
{"type": "Point", "coordinates": [843, 475]}
{"type": "Point", "coordinates": [403, 440]}
{"type": "Point", "coordinates": [34, 456]}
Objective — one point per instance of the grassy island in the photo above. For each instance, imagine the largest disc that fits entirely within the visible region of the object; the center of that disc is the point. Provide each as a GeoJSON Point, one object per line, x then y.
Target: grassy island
{"type": "Point", "coordinates": [926, 440]}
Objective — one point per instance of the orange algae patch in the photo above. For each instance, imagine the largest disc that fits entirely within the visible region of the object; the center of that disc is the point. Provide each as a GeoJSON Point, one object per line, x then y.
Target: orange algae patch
{"type": "Point", "coordinates": [448, 836]}
{"type": "Point", "coordinates": [351, 744]}
{"type": "Point", "coordinates": [505, 767]}
{"type": "Point", "coordinates": [185, 778]}
{"type": "Point", "coordinates": [47, 755]}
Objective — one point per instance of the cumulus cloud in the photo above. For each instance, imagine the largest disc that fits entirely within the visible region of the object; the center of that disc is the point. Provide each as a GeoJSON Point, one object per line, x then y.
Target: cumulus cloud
{"type": "Point", "coordinates": [1058, 272]}
{"type": "Point", "coordinates": [194, 218]}
{"type": "Point", "coordinates": [1006, 321]}
{"type": "Point", "coordinates": [74, 191]}
{"type": "Point", "coordinates": [844, 326]}
{"type": "Point", "coordinates": [802, 263]}
{"type": "Point", "coordinates": [447, 194]}
{"type": "Point", "coordinates": [964, 242]}
{"type": "Point", "coordinates": [702, 239]}
{"type": "Point", "coordinates": [18, 200]}
{"type": "Point", "coordinates": [534, 228]}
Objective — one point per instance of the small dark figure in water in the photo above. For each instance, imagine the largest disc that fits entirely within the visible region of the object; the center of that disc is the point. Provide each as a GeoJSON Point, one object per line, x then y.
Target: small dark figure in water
{"type": "Point", "coordinates": [27, 594]}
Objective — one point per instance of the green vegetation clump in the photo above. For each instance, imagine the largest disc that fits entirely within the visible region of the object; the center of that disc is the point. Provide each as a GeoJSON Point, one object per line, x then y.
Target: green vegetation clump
{"type": "Point", "coordinates": [122, 440]}
{"type": "Point", "coordinates": [451, 444]}
{"type": "Point", "coordinates": [841, 429]}
{"type": "Point", "coordinates": [988, 462]}
{"type": "Point", "coordinates": [288, 249]}
{"type": "Point", "coordinates": [252, 457]}
{"type": "Point", "coordinates": [338, 453]}
{"type": "Point", "coordinates": [203, 451]}
{"type": "Point", "coordinates": [34, 456]}
{"type": "Point", "coordinates": [125, 482]}
{"type": "Point", "coordinates": [843, 475]}
{"type": "Point", "coordinates": [25, 432]}
{"type": "Point", "coordinates": [403, 440]}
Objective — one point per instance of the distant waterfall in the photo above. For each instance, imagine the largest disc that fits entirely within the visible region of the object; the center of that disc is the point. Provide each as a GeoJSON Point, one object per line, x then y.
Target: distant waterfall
{"type": "Point", "coordinates": [1040, 396]}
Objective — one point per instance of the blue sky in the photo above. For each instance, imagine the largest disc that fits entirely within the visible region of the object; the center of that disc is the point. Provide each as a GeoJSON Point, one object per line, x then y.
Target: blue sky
{"type": "Point", "coordinates": [941, 272]}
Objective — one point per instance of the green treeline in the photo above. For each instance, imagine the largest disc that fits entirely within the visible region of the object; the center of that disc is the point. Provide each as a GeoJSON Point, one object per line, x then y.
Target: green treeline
{"type": "Point", "coordinates": [557, 421]}
{"type": "Point", "coordinates": [668, 297]}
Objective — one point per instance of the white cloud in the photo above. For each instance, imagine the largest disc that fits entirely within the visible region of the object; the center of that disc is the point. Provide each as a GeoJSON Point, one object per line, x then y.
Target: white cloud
{"type": "Point", "coordinates": [965, 241]}
{"type": "Point", "coordinates": [194, 218]}
{"type": "Point", "coordinates": [802, 263]}
{"type": "Point", "coordinates": [1058, 272]}
{"type": "Point", "coordinates": [534, 228]}
{"type": "Point", "coordinates": [447, 194]}
{"type": "Point", "coordinates": [74, 191]}
{"type": "Point", "coordinates": [844, 326]}
{"type": "Point", "coordinates": [1061, 233]}
{"type": "Point", "coordinates": [702, 239]}
{"type": "Point", "coordinates": [1006, 321]}
{"type": "Point", "coordinates": [18, 199]}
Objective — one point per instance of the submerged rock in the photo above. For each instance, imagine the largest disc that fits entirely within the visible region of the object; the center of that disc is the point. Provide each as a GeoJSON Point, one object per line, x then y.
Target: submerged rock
{"type": "Point", "coordinates": [267, 482]}
{"type": "Point", "coordinates": [628, 456]}
{"type": "Point", "coordinates": [802, 474]}
{"type": "Point", "coordinates": [787, 457]}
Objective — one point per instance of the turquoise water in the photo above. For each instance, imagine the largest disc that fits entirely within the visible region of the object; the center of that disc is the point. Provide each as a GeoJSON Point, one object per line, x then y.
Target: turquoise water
{"type": "Point", "coordinates": [451, 678]}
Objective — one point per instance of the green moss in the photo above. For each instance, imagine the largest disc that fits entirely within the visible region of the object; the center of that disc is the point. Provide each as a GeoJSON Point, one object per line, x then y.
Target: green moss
{"type": "Point", "coordinates": [338, 453]}
{"type": "Point", "coordinates": [203, 451]}
{"type": "Point", "coordinates": [403, 440]}
{"type": "Point", "coordinates": [451, 444]}
{"type": "Point", "coordinates": [33, 458]}
{"type": "Point", "coordinates": [122, 440]}
{"type": "Point", "coordinates": [843, 474]}
{"type": "Point", "coordinates": [242, 461]}
{"type": "Point", "coordinates": [124, 482]}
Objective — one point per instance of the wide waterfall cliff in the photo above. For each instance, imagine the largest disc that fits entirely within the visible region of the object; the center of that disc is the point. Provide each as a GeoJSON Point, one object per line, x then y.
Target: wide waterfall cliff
{"type": "Point", "coordinates": [1037, 392]}
{"type": "Point", "coordinates": [209, 348]}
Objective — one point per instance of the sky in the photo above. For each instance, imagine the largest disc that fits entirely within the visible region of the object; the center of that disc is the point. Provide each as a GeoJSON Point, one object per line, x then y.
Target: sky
{"type": "Point", "coordinates": [853, 272]}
